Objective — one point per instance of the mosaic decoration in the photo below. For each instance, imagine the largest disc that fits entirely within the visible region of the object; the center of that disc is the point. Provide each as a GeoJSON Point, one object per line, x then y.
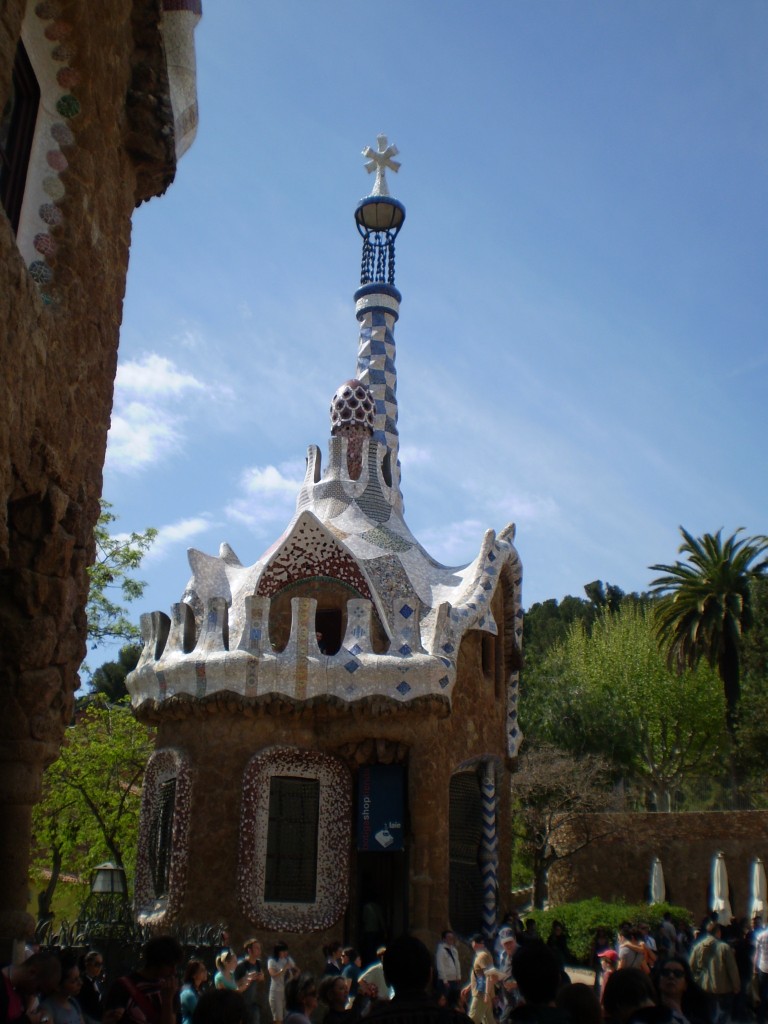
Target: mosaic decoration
{"type": "Point", "coordinates": [163, 765]}
{"type": "Point", "coordinates": [310, 551]}
{"type": "Point", "coordinates": [352, 404]}
{"type": "Point", "coordinates": [333, 840]}
{"type": "Point", "coordinates": [489, 851]}
{"type": "Point", "coordinates": [348, 527]}
{"type": "Point", "coordinates": [46, 34]}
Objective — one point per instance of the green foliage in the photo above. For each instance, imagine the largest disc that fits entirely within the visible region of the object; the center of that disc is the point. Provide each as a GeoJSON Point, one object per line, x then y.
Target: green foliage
{"type": "Point", "coordinates": [112, 581]}
{"type": "Point", "coordinates": [583, 918]}
{"type": "Point", "coordinates": [547, 623]}
{"type": "Point", "coordinates": [610, 692]}
{"type": "Point", "coordinates": [706, 604]}
{"type": "Point", "coordinates": [91, 797]}
{"type": "Point", "coordinates": [109, 679]}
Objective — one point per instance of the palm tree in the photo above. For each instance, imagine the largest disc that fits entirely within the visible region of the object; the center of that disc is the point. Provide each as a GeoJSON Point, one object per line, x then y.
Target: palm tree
{"type": "Point", "coordinates": [706, 605]}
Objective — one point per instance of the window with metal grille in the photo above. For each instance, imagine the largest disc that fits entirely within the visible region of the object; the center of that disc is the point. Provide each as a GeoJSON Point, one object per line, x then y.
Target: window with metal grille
{"type": "Point", "coordinates": [17, 129]}
{"type": "Point", "coordinates": [465, 832]}
{"type": "Point", "coordinates": [160, 837]}
{"type": "Point", "coordinates": [291, 869]}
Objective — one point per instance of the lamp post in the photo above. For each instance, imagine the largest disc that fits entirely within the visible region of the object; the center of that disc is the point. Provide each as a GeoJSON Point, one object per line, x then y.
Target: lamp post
{"type": "Point", "coordinates": [106, 911]}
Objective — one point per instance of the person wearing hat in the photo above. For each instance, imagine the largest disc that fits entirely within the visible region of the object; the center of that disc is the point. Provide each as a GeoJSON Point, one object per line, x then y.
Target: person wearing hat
{"type": "Point", "coordinates": [510, 997]}
{"type": "Point", "coordinates": [609, 961]}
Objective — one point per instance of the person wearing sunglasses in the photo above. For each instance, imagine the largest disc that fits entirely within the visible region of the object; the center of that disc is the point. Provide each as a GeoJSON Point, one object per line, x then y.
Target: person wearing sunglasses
{"type": "Point", "coordinates": [91, 996]}
{"type": "Point", "coordinates": [676, 990]}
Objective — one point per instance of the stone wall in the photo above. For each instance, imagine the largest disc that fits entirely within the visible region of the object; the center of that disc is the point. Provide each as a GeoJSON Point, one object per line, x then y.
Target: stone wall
{"type": "Point", "coordinates": [60, 315]}
{"type": "Point", "coordinates": [619, 865]}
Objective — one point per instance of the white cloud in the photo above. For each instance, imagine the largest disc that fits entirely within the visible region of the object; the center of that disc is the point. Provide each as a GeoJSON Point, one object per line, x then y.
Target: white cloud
{"type": "Point", "coordinates": [270, 495]}
{"type": "Point", "coordinates": [414, 455]}
{"type": "Point", "coordinates": [177, 533]}
{"type": "Point", "coordinates": [154, 374]}
{"type": "Point", "coordinates": [454, 543]}
{"type": "Point", "coordinates": [271, 479]}
{"type": "Point", "coordinates": [140, 435]}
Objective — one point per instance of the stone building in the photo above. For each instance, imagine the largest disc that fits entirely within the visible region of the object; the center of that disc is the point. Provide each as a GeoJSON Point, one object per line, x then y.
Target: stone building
{"type": "Point", "coordinates": [336, 721]}
{"type": "Point", "coordinates": [94, 113]}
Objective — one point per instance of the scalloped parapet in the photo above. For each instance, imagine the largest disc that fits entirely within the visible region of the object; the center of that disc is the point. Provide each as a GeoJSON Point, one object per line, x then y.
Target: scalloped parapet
{"type": "Point", "coordinates": [220, 642]}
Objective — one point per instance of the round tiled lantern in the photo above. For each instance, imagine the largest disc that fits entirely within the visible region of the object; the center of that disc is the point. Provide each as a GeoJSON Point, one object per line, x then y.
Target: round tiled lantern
{"type": "Point", "coordinates": [352, 406]}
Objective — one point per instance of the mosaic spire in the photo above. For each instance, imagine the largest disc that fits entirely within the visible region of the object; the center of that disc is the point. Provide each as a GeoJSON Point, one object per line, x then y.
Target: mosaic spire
{"type": "Point", "coordinates": [379, 218]}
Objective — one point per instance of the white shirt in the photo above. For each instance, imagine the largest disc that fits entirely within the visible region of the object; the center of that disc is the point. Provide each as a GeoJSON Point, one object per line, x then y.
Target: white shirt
{"type": "Point", "coordinates": [447, 963]}
{"type": "Point", "coordinates": [761, 951]}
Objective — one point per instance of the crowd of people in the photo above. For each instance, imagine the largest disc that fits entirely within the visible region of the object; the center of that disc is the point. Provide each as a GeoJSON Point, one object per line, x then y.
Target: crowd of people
{"type": "Point", "coordinates": [672, 976]}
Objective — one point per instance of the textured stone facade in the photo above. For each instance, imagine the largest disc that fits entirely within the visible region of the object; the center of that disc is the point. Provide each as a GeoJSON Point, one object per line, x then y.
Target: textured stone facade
{"type": "Point", "coordinates": [107, 146]}
{"type": "Point", "coordinates": [619, 865]}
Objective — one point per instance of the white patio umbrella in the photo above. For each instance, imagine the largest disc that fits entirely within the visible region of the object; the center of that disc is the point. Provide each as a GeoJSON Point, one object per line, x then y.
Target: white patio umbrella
{"type": "Point", "coordinates": [758, 890]}
{"type": "Point", "coordinates": [720, 903]}
{"type": "Point", "coordinates": [658, 889]}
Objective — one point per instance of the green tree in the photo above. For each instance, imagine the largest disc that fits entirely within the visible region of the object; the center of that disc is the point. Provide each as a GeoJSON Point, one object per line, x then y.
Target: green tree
{"type": "Point", "coordinates": [610, 692]}
{"type": "Point", "coordinates": [109, 679]}
{"type": "Point", "coordinates": [113, 581]}
{"type": "Point", "coordinates": [91, 796]}
{"type": "Point", "coordinates": [706, 605]}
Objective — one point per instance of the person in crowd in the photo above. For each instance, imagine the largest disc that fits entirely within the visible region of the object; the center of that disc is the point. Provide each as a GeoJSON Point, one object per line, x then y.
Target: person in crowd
{"type": "Point", "coordinates": [477, 942]}
{"type": "Point", "coordinates": [448, 968]}
{"type": "Point", "coordinates": [352, 968]}
{"type": "Point", "coordinates": [608, 962]}
{"type": "Point", "coordinates": [678, 992]}
{"type": "Point", "coordinates": [301, 998]}
{"type": "Point", "coordinates": [226, 962]}
{"type": "Point", "coordinates": [220, 1006]}
{"type": "Point", "coordinates": [91, 997]}
{"type": "Point", "coordinates": [714, 969]}
{"type": "Point", "coordinates": [667, 935]}
{"type": "Point", "coordinates": [195, 976]}
{"type": "Point", "coordinates": [648, 940]}
{"type": "Point", "coordinates": [482, 989]}
{"type": "Point", "coordinates": [761, 973]}
{"type": "Point", "coordinates": [633, 952]}
{"type": "Point", "coordinates": [374, 975]}
{"type": "Point", "coordinates": [281, 968]}
{"type": "Point", "coordinates": [629, 996]}
{"type": "Point", "coordinates": [537, 970]}
{"type": "Point", "coordinates": [61, 1006]}
{"type": "Point", "coordinates": [22, 985]}
{"type": "Point", "coordinates": [580, 1003]}
{"type": "Point", "coordinates": [558, 943]}
{"type": "Point", "coordinates": [332, 954]}
{"type": "Point", "coordinates": [530, 931]}
{"type": "Point", "coordinates": [333, 993]}
{"type": "Point", "coordinates": [251, 968]}
{"type": "Point", "coordinates": [149, 995]}
{"type": "Point", "coordinates": [407, 966]}
{"type": "Point", "coordinates": [509, 995]}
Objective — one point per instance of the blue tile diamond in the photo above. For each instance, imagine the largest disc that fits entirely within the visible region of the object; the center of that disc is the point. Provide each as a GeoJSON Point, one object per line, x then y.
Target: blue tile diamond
{"type": "Point", "coordinates": [403, 687]}
{"type": "Point", "coordinates": [406, 611]}
{"type": "Point", "coordinates": [352, 666]}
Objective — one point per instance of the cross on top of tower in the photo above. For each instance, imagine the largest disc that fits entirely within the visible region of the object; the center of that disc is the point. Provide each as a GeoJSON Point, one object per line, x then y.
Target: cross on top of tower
{"type": "Point", "coordinates": [379, 160]}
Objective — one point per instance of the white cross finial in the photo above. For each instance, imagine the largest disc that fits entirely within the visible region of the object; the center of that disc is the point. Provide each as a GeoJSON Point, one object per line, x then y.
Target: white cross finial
{"type": "Point", "coordinates": [378, 161]}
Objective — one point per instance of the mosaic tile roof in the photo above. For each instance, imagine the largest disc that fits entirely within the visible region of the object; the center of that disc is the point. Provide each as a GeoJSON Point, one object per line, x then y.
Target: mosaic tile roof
{"type": "Point", "coordinates": [348, 529]}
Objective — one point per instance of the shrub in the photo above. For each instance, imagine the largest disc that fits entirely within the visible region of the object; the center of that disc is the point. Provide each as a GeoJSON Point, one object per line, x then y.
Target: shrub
{"type": "Point", "coordinates": [583, 918]}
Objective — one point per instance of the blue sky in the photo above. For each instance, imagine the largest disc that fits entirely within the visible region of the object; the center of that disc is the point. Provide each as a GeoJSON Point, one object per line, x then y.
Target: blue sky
{"type": "Point", "coordinates": [582, 342]}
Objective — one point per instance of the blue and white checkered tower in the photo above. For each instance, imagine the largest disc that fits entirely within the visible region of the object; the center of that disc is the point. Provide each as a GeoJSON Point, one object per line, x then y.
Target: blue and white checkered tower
{"type": "Point", "coordinates": [379, 218]}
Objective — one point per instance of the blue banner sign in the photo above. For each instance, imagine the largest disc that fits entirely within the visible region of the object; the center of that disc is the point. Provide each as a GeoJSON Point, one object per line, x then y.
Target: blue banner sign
{"type": "Point", "coordinates": [380, 808]}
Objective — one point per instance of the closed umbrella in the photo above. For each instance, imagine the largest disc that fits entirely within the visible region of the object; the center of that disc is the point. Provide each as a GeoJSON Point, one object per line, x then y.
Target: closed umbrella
{"type": "Point", "coordinates": [658, 889]}
{"type": "Point", "coordinates": [721, 904]}
{"type": "Point", "coordinates": [758, 890]}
